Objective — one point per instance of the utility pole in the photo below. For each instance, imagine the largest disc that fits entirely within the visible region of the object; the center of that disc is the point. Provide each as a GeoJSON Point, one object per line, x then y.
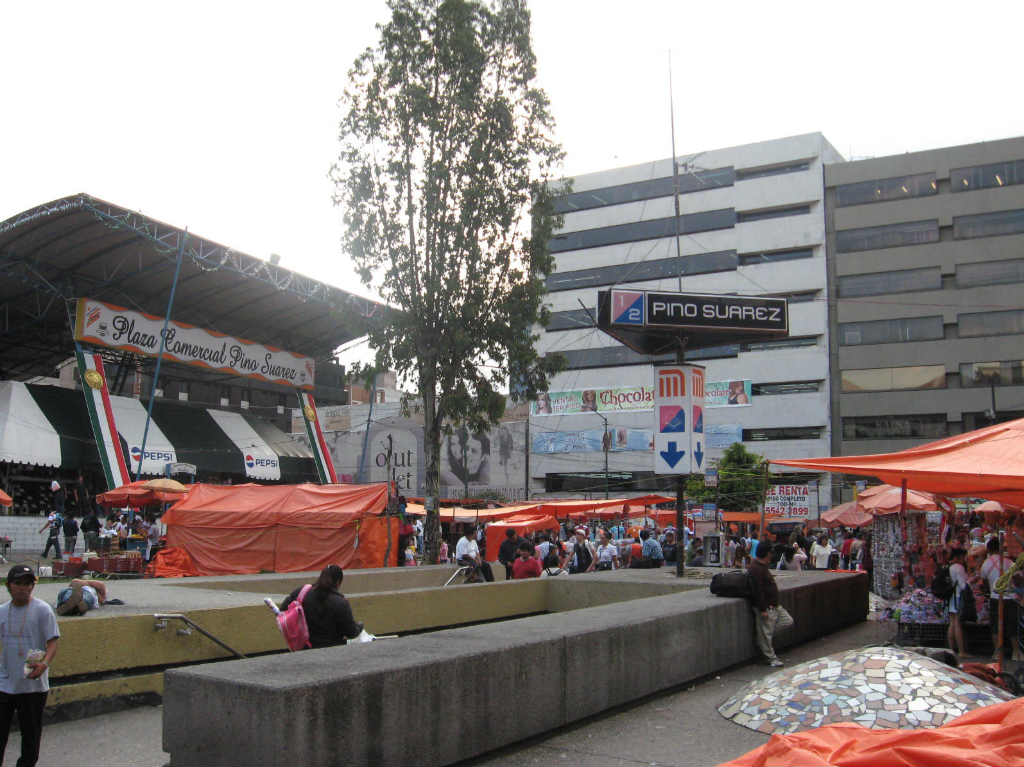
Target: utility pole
{"type": "Point", "coordinates": [606, 445]}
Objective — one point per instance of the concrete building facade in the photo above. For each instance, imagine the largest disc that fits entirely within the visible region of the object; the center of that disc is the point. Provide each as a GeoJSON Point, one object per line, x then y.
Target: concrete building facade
{"type": "Point", "coordinates": [752, 222]}
{"type": "Point", "coordinates": [926, 262]}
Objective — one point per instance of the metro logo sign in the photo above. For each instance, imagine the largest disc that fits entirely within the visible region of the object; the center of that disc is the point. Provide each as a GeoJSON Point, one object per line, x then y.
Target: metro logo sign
{"type": "Point", "coordinates": [678, 445]}
{"type": "Point", "coordinates": [671, 383]}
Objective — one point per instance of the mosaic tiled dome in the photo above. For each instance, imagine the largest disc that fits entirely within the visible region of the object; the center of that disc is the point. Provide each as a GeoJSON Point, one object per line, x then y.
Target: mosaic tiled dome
{"type": "Point", "coordinates": [877, 687]}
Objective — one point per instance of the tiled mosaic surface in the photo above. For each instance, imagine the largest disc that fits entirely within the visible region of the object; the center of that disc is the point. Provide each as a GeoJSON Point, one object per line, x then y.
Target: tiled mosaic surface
{"type": "Point", "coordinates": [877, 687]}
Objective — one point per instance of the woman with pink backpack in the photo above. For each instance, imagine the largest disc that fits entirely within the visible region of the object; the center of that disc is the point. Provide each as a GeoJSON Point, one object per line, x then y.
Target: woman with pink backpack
{"type": "Point", "coordinates": [323, 609]}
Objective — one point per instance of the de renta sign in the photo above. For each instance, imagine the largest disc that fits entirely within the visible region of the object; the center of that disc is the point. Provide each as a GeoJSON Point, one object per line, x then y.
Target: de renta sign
{"type": "Point", "coordinates": [103, 324]}
{"type": "Point", "coordinates": [657, 322]}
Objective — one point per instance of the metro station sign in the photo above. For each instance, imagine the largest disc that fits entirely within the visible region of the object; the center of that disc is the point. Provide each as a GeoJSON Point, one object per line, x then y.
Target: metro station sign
{"type": "Point", "coordinates": [655, 322]}
{"type": "Point", "coordinates": [678, 419]}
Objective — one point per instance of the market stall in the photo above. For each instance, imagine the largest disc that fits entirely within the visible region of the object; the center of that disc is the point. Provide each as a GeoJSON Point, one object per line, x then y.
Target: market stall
{"type": "Point", "coordinates": [229, 529]}
{"type": "Point", "coordinates": [523, 524]}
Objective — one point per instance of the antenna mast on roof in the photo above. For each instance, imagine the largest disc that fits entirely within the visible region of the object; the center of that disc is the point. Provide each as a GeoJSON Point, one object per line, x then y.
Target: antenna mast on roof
{"type": "Point", "coordinates": [675, 169]}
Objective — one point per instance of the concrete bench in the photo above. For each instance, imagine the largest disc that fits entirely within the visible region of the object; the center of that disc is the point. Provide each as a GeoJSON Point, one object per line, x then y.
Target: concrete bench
{"type": "Point", "coordinates": [445, 696]}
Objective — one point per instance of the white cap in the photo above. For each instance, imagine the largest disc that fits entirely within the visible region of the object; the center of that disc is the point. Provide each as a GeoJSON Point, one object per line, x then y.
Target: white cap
{"type": "Point", "coordinates": [55, 485]}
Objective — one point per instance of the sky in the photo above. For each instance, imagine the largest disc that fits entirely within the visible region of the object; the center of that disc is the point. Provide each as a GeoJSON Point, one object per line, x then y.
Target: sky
{"type": "Point", "coordinates": [222, 116]}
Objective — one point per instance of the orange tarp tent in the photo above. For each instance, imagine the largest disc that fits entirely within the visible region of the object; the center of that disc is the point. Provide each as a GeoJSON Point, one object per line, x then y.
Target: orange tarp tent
{"type": "Point", "coordinates": [847, 514]}
{"type": "Point", "coordinates": [522, 524]}
{"type": "Point", "coordinates": [985, 463]}
{"type": "Point", "coordinates": [5, 500]}
{"type": "Point", "coordinates": [991, 735]}
{"type": "Point", "coordinates": [250, 528]}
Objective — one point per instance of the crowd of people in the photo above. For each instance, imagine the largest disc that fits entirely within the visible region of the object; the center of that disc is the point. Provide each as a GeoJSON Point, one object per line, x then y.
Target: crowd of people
{"type": "Point", "coordinates": [100, 535]}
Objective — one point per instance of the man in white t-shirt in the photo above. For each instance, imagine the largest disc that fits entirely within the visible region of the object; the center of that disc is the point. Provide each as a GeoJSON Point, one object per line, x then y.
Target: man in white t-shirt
{"type": "Point", "coordinates": [990, 571]}
{"type": "Point", "coordinates": [29, 633]}
{"type": "Point", "coordinates": [467, 552]}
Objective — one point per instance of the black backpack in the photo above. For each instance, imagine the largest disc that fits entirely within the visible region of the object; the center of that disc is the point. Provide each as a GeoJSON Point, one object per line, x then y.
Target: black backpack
{"type": "Point", "coordinates": [735, 583]}
{"type": "Point", "coordinates": [942, 584]}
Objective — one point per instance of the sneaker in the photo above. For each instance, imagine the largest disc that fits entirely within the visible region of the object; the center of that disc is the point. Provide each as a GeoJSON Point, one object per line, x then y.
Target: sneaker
{"type": "Point", "coordinates": [776, 663]}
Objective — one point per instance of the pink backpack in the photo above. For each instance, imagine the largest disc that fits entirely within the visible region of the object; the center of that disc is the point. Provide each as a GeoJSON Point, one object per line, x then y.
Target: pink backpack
{"type": "Point", "coordinates": [292, 623]}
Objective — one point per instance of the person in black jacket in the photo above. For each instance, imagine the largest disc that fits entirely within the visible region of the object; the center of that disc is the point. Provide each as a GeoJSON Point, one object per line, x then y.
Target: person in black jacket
{"type": "Point", "coordinates": [91, 530]}
{"type": "Point", "coordinates": [764, 601]}
{"type": "Point", "coordinates": [507, 551]}
{"type": "Point", "coordinates": [328, 614]}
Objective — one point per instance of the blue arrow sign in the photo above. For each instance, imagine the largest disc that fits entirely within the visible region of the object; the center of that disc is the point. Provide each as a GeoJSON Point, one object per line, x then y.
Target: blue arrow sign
{"type": "Point", "coordinates": [698, 454]}
{"type": "Point", "coordinates": [672, 456]}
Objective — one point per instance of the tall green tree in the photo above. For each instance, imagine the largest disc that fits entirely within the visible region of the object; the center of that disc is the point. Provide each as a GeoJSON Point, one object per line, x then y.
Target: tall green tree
{"type": "Point", "coordinates": [444, 177]}
{"type": "Point", "coordinates": [740, 481]}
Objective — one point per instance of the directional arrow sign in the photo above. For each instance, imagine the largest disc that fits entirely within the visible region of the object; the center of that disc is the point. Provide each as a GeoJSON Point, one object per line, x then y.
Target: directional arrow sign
{"type": "Point", "coordinates": [672, 455]}
{"type": "Point", "coordinates": [698, 454]}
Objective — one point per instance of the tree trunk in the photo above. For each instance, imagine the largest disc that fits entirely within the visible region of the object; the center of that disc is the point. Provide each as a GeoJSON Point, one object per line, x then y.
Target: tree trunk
{"type": "Point", "coordinates": [432, 466]}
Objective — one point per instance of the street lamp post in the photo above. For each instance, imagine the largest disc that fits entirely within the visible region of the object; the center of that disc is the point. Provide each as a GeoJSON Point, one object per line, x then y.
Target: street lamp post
{"type": "Point", "coordinates": [605, 446]}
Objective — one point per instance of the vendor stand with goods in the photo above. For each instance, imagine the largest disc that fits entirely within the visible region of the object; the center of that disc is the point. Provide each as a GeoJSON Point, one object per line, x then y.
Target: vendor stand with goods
{"type": "Point", "coordinates": [914, 544]}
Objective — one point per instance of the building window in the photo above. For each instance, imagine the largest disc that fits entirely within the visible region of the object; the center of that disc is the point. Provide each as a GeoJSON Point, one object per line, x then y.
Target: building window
{"type": "Point", "coordinates": [712, 353]}
{"type": "Point", "coordinates": [990, 273]}
{"type": "Point", "coordinates": [793, 387]}
{"type": "Point", "coordinates": [895, 426]}
{"type": "Point", "coordinates": [759, 215]}
{"type": "Point", "coordinates": [1004, 373]}
{"type": "Point", "coordinates": [750, 259]}
{"type": "Point", "coordinates": [991, 323]}
{"type": "Point", "coordinates": [608, 356]}
{"type": "Point", "coordinates": [573, 319]}
{"type": "Point", "coordinates": [775, 170]}
{"type": "Point", "coordinates": [885, 189]}
{"type": "Point", "coordinates": [986, 176]}
{"type": "Point", "coordinates": [783, 432]}
{"type": "Point", "coordinates": [644, 190]}
{"type": "Point", "coordinates": [901, 281]}
{"type": "Point", "coordinates": [889, 236]}
{"type": "Point", "coordinates": [988, 224]}
{"type": "Point", "coordinates": [780, 343]}
{"type": "Point", "coordinates": [891, 331]}
{"type": "Point", "coordinates": [643, 271]}
{"type": "Point", "coordinates": [974, 421]}
{"type": "Point", "coordinates": [895, 379]}
{"type": "Point", "coordinates": [658, 228]}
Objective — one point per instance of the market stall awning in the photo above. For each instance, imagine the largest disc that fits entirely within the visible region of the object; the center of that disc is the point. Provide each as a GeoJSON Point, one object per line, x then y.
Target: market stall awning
{"type": "Point", "coordinates": [44, 425]}
{"type": "Point", "coordinates": [985, 463]}
{"type": "Point", "coordinates": [847, 514]}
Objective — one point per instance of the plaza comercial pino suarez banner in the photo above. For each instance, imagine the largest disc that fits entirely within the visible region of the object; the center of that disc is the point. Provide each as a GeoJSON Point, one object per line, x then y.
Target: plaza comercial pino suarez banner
{"type": "Point", "coordinates": [104, 324]}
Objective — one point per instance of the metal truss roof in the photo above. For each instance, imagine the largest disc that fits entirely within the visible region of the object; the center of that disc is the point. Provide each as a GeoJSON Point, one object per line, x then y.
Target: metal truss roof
{"type": "Point", "coordinates": [82, 246]}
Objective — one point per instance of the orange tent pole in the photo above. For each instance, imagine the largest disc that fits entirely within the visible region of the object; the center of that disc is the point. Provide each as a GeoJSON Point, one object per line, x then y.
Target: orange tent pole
{"type": "Point", "coordinates": [999, 638]}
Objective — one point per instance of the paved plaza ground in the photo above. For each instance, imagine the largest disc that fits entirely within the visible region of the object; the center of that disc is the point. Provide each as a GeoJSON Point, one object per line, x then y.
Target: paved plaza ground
{"type": "Point", "coordinates": [680, 727]}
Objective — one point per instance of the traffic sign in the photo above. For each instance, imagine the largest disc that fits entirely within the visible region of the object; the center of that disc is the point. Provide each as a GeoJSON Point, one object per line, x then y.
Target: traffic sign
{"type": "Point", "coordinates": [710, 477]}
{"type": "Point", "coordinates": [678, 419]}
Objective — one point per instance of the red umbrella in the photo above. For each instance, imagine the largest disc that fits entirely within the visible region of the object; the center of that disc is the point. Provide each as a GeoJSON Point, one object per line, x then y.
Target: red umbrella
{"type": "Point", "coordinates": [848, 514]}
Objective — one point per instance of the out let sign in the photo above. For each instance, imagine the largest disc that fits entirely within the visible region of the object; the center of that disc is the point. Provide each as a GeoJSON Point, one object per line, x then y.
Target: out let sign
{"type": "Point", "coordinates": [678, 419]}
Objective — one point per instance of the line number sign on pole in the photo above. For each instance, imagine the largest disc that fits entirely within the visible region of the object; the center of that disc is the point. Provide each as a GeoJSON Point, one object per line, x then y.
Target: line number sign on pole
{"type": "Point", "coordinates": [678, 419]}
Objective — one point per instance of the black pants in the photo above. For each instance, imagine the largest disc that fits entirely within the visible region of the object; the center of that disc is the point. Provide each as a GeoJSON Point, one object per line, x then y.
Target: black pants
{"type": "Point", "coordinates": [69, 543]}
{"type": "Point", "coordinates": [54, 541]}
{"type": "Point", "coordinates": [1009, 623]}
{"type": "Point", "coordinates": [29, 706]}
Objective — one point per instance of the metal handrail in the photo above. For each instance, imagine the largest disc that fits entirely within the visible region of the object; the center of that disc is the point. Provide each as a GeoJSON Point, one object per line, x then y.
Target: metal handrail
{"type": "Point", "coordinates": [161, 623]}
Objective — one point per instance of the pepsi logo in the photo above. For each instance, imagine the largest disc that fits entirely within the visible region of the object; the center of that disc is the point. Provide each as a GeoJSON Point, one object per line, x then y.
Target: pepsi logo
{"type": "Point", "coordinates": [249, 461]}
{"type": "Point", "coordinates": [161, 456]}
{"type": "Point", "coordinates": [136, 453]}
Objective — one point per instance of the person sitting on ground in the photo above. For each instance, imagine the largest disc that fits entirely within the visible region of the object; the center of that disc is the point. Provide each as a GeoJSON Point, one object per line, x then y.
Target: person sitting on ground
{"type": "Point", "coordinates": [698, 557]}
{"type": "Point", "coordinates": [80, 596]}
{"type": "Point", "coordinates": [552, 566]}
{"type": "Point", "coordinates": [467, 554]}
{"type": "Point", "coordinates": [328, 614]}
{"type": "Point", "coordinates": [526, 565]}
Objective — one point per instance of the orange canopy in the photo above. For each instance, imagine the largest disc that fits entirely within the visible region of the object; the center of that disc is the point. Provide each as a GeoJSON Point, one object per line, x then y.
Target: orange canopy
{"type": "Point", "coordinates": [847, 514]}
{"type": "Point", "coordinates": [886, 499]}
{"type": "Point", "coordinates": [571, 508]}
{"type": "Point", "coordinates": [282, 528]}
{"type": "Point", "coordinates": [5, 500]}
{"type": "Point", "coordinates": [990, 735]}
{"type": "Point", "coordinates": [985, 463]}
{"type": "Point", "coordinates": [522, 524]}
{"type": "Point", "coordinates": [136, 494]}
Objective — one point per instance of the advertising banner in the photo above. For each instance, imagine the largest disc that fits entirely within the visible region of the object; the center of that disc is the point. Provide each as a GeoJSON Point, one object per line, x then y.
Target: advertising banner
{"type": "Point", "coordinates": [787, 501]}
{"type": "Point", "coordinates": [593, 401]}
{"type": "Point", "coordinates": [678, 419]}
{"type": "Point", "coordinates": [331, 417]}
{"type": "Point", "coordinates": [589, 441]}
{"type": "Point", "coordinates": [104, 324]}
{"type": "Point", "coordinates": [722, 435]}
{"type": "Point", "coordinates": [727, 394]}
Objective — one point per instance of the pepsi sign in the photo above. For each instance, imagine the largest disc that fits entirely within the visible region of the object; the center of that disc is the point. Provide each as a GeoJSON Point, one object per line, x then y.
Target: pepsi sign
{"type": "Point", "coordinates": [162, 456]}
{"type": "Point", "coordinates": [251, 462]}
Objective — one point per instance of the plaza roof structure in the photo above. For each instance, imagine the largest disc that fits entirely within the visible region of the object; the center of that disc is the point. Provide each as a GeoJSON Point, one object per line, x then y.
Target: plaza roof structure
{"type": "Point", "coordinates": [82, 246]}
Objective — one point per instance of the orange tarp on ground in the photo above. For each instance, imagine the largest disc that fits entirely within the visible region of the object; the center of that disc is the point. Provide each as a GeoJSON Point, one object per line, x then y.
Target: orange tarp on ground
{"type": "Point", "coordinates": [173, 563]}
{"type": "Point", "coordinates": [250, 528]}
{"type": "Point", "coordinates": [985, 463]}
{"type": "Point", "coordinates": [991, 735]}
{"type": "Point", "coordinates": [522, 524]}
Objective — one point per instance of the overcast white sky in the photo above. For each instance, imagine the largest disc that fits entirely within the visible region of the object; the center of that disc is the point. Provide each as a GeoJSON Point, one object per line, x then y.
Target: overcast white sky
{"type": "Point", "coordinates": [221, 116]}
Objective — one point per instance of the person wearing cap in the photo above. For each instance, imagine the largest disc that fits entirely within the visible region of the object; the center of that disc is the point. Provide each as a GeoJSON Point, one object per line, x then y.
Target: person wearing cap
{"type": "Point", "coordinates": [583, 558]}
{"type": "Point", "coordinates": [29, 634]}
